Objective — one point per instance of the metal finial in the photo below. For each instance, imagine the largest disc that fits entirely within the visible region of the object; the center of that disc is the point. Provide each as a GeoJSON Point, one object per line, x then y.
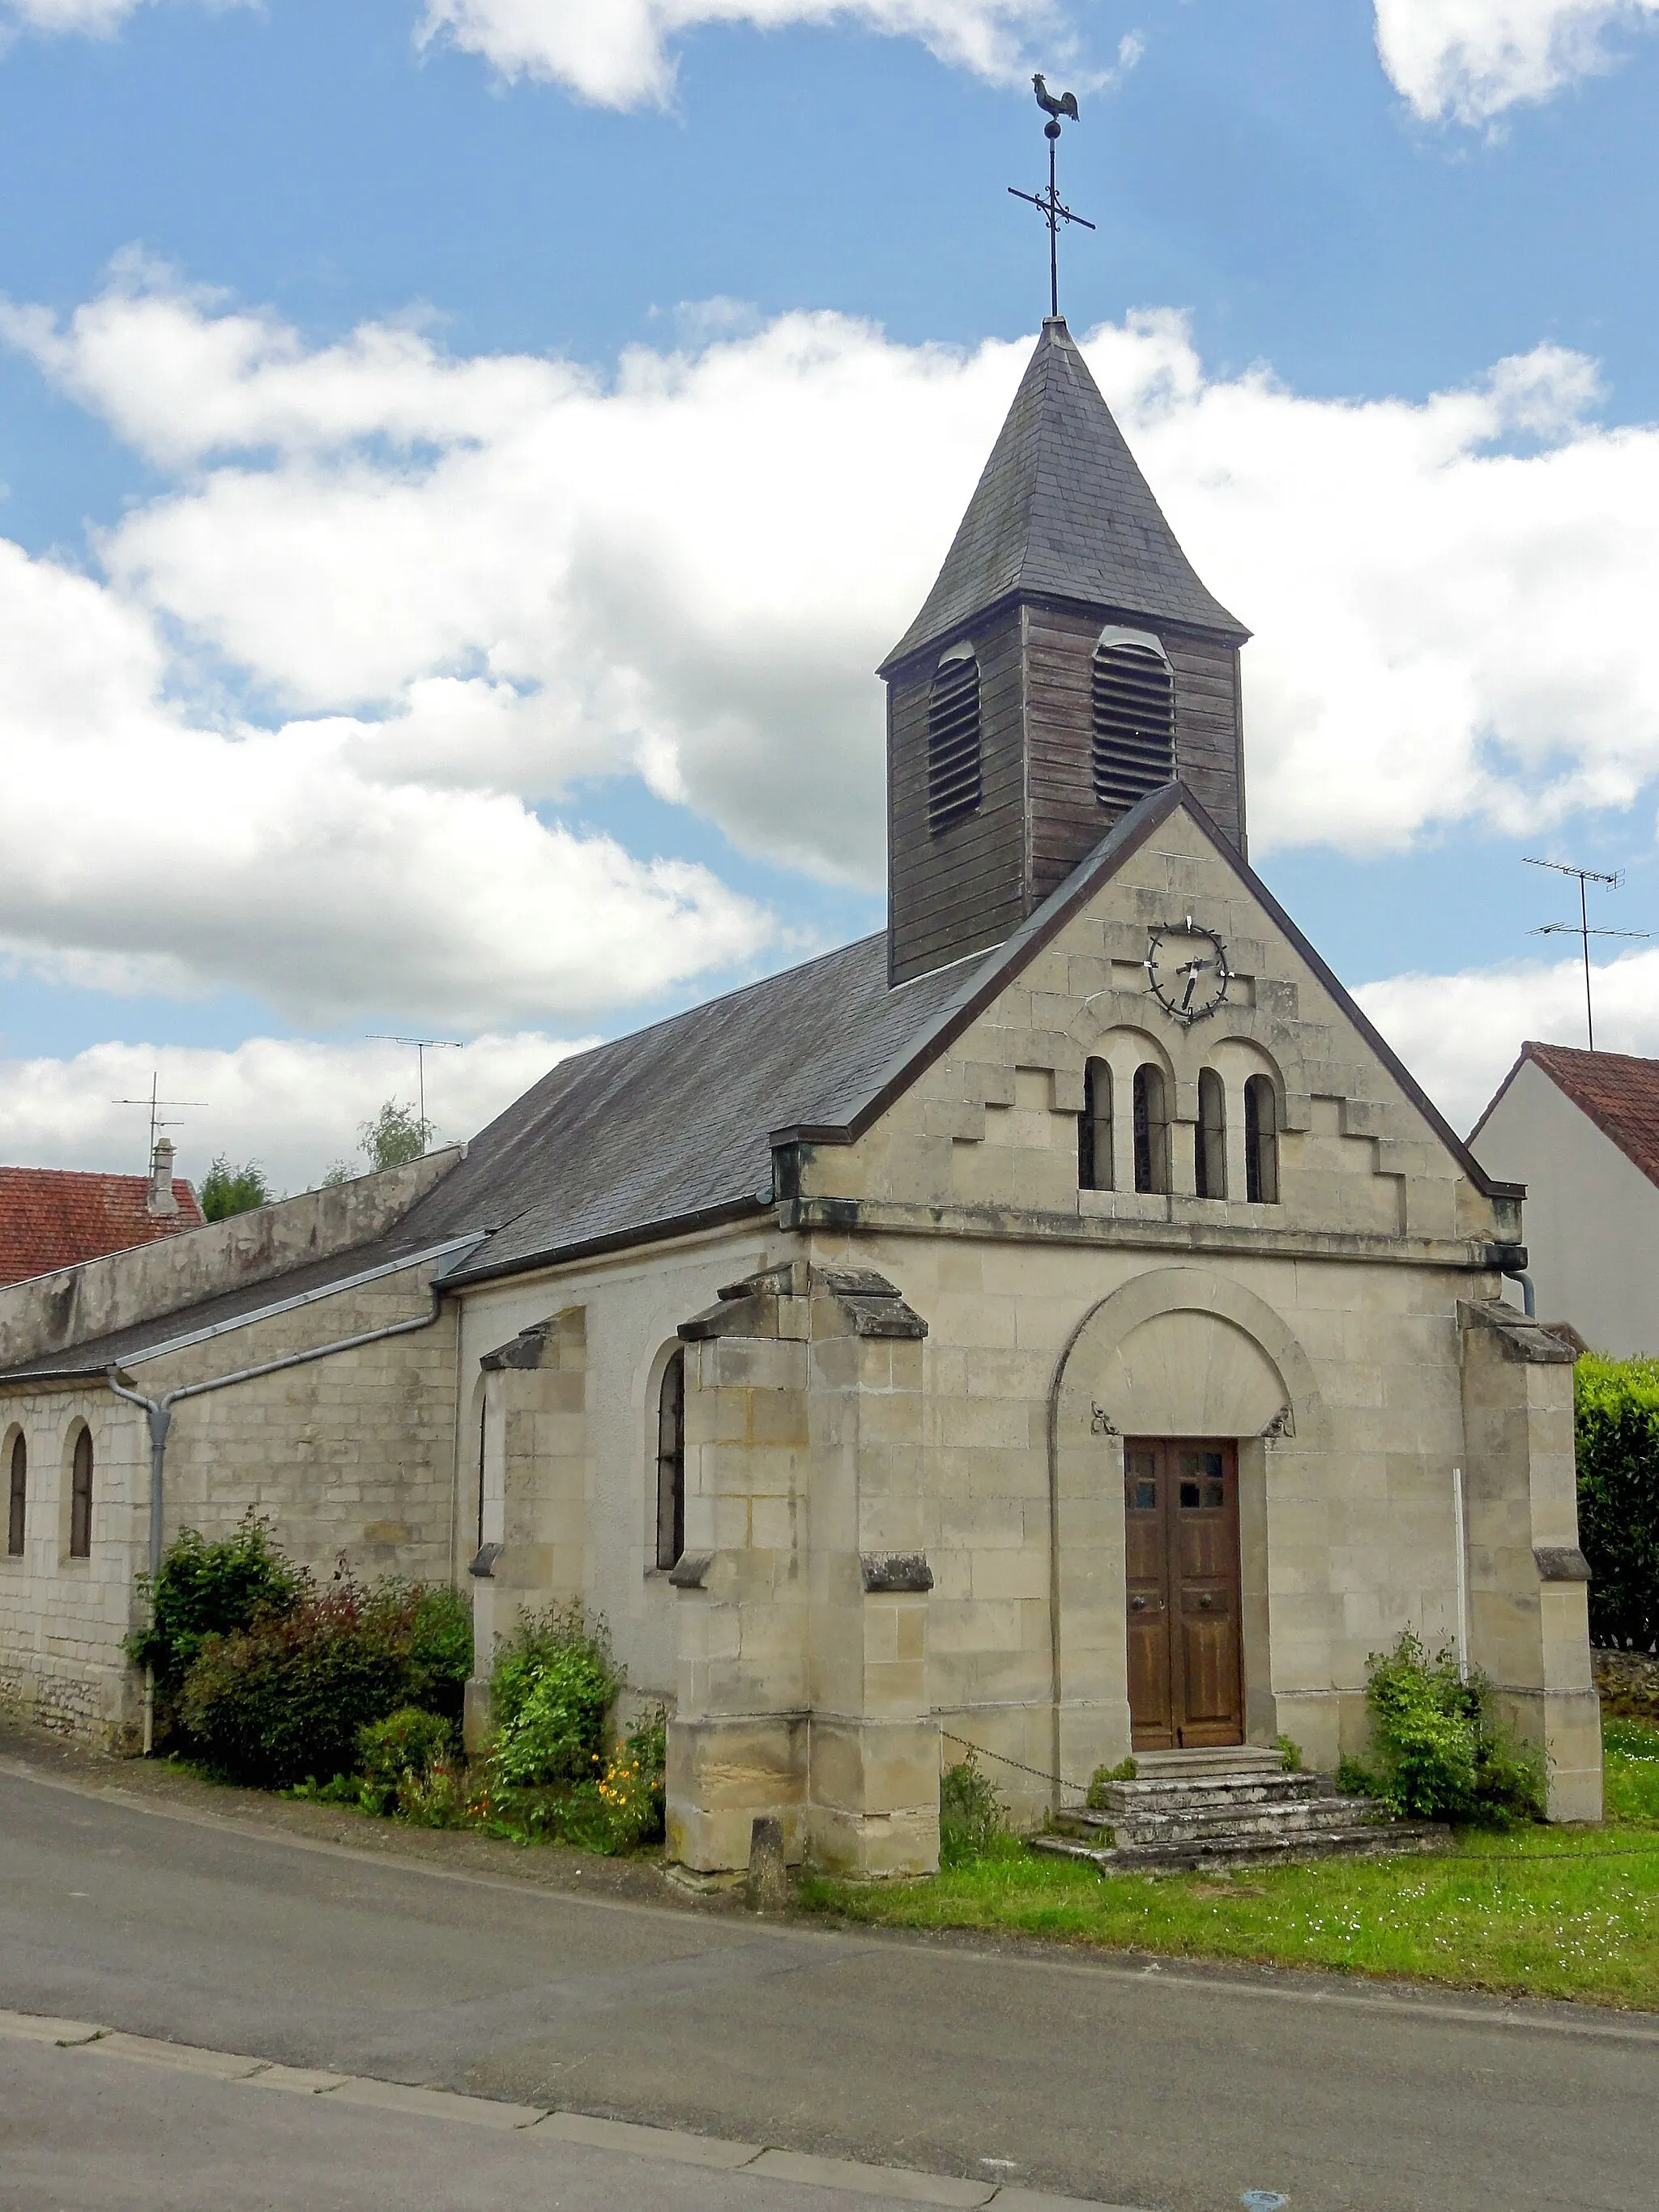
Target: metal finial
{"type": "Point", "coordinates": [1049, 204]}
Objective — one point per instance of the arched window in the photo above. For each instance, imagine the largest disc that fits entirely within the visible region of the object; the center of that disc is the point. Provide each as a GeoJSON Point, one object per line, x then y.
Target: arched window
{"type": "Point", "coordinates": [953, 785]}
{"type": "Point", "coordinates": [80, 1544]}
{"type": "Point", "coordinates": [1210, 1161]}
{"type": "Point", "coordinates": [1262, 1142]}
{"type": "Point", "coordinates": [17, 1504]}
{"type": "Point", "coordinates": [1094, 1129]}
{"type": "Point", "coordinates": [1134, 723]}
{"type": "Point", "coordinates": [671, 1461]}
{"type": "Point", "coordinates": [1152, 1129]}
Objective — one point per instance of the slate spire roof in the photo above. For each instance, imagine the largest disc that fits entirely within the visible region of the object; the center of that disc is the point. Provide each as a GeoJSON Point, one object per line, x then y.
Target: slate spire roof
{"type": "Point", "coordinates": [1062, 511]}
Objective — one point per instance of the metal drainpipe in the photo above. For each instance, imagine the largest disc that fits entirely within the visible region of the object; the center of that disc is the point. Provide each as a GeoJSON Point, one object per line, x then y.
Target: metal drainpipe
{"type": "Point", "coordinates": [1527, 1301]}
{"type": "Point", "coordinates": [158, 1412]}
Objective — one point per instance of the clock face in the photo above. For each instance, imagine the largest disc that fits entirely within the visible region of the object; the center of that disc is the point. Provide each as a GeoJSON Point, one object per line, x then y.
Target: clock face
{"type": "Point", "coordinates": [1186, 971]}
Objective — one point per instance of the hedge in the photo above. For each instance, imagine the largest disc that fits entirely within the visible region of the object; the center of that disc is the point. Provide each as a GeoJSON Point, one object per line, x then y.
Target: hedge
{"type": "Point", "coordinates": [1617, 1406]}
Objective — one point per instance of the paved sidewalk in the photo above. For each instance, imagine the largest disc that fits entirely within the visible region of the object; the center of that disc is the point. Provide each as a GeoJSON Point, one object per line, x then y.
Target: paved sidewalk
{"type": "Point", "coordinates": [96, 2119]}
{"type": "Point", "coordinates": [1172, 2088]}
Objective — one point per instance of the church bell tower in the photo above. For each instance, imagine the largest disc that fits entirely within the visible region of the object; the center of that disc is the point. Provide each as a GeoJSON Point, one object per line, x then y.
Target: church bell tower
{"type": "Point", "coordinates": [1067, 662]}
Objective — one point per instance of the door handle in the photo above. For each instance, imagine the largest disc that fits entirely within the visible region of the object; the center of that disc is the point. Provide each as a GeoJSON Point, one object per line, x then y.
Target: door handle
{"type": "Point", "coordinates": [1137, 1605]}
{"type": "Point", "coordinates": [1206, 1602]}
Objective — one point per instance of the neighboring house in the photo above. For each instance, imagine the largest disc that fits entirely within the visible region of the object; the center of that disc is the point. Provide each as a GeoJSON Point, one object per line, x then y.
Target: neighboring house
{"type": "Point", "coordinates": [1058, 1322]}
{"type": "Point", "coordinates": [1581, 1129]}
{"type": "Point", "coordinates": [53, 1217]}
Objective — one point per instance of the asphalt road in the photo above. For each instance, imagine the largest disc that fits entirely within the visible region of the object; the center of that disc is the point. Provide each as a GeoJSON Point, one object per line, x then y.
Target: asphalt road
{"type": "Point", "coordinates": [1165, 2088]}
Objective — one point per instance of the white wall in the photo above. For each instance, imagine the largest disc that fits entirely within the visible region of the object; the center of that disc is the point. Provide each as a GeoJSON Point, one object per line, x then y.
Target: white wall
{"type": "Point", "coordinates": [1592, 1218]}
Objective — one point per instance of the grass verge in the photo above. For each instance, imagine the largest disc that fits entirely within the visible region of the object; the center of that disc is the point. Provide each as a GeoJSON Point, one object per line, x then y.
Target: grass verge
{"type": "Point", "coordinates": [1554, 1912]}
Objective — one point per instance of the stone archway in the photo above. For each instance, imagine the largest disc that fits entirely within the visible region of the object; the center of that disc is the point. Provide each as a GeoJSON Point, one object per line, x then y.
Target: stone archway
{"type": "Point", "coordinates": [1177, 1352]}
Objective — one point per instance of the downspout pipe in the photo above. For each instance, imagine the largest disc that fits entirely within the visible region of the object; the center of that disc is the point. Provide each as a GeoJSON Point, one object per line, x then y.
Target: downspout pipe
{"type": "Point", "coordinates": [1528, 1302]}
{"type": "Point", "coordinates": [158, 1412]}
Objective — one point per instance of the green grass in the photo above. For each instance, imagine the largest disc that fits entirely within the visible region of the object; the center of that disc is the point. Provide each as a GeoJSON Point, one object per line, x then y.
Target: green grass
{"type": "Point", "coordinates": [1555, 1912]}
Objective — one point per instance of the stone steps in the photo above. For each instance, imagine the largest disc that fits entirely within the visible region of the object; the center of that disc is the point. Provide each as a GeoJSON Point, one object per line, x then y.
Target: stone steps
{"type": "Point", "coordinates": [1226, 1806]}
{"type": "Point", "coordinates": [1369, 1839]}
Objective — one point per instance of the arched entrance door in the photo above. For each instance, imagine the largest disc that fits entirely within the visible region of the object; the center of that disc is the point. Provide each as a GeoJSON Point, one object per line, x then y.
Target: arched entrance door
{"type": "Point", "coordinates": [1181, 1529]}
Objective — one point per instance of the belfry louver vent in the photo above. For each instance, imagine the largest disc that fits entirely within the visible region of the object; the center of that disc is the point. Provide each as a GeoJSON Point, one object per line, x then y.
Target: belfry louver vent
{"type": "Point", "coordinates": [1134, 718]}
{"type": "Point", "coordinates": [953, 778]}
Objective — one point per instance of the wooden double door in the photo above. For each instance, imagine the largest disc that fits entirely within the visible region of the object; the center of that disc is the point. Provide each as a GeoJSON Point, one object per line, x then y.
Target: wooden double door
{"type": "Point", "coordinates": [1186, 1665]}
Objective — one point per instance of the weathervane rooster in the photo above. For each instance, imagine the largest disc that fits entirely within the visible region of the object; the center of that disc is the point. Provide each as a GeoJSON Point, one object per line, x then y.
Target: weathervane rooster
{"type": "Point", "coordinates": [1066, 105]}
{"type": "Point", "coordinates": [1049, 205]}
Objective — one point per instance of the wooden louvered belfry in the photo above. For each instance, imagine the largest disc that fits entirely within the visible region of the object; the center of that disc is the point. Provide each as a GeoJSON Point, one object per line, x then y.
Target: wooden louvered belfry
{"type": "Point", "coordinates": [1133, 737]}
{"type": "Point", "coordinates": [1067, 663]}
{"type": "Point", "coordinates": [953, 741]}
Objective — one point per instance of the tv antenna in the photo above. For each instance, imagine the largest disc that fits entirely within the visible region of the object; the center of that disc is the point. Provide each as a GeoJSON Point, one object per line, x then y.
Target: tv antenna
{"type": "Point", "coordinates": [423, 1046]}
{"type": "Point", "coordinates": [154, 1104]}
{"type": "Point", "coordinates": [1048, 204]}
{"type": "Point", "coordinates": [1580, 928]}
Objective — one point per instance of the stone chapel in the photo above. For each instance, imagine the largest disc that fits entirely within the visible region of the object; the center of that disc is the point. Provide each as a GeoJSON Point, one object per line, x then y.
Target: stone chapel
{"type": "Point", "coordinates": [1058, 1324]}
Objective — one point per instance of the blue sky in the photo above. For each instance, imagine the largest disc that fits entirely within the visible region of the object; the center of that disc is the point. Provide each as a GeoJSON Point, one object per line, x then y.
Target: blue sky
{"type": "Point", "coordinates": [302, 174]}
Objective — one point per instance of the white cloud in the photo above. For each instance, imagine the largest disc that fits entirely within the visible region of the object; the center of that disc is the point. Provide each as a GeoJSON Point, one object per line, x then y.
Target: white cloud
{"type": "Point", "coordinates": [459, 585]}
{"type": "Point", "coordinates": [1472, 59]}
{"type": "Point", "coordinates": [292, 1105]}
{"type": "Point", "coordinates": [1459, 1035]}
{"type": "Point", "coordinates": [618, 52]}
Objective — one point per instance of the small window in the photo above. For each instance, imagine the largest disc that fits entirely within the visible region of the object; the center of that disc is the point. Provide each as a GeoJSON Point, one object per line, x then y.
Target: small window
{"type": "Point", "coordinates": [80, 1543]}
{"type": "Point", "coordinates": [1094, 1129]}
{"type": "Point", "coordinates": [17, 1504]}
{"type": "Point", "coordinates": [953, 748]}
{"type": "Point", "coordinates": [1262, 1142]}
{"type": "Point", "coordinates": [1134, 725]}
{"type": "Point", "coordinates": [671, 1463]}
{"type": "Point", "coordinates": [1151, 1130]}
{"type": "Point", "coordinates": [1210, 1162]}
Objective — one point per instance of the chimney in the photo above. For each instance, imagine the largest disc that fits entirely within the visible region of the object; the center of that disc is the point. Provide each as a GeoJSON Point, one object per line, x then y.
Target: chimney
{"type": "Point", "coordinates": [161, 1202]}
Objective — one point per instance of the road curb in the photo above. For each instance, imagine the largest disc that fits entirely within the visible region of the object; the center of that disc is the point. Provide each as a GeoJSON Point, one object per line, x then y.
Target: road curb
{"type": "Point", "coordinates": [539, 2123]}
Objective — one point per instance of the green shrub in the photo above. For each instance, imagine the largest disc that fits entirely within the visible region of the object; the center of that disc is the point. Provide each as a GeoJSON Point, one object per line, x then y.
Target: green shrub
{"type": "Point", "coordinates": [1437, 1752]}
{"type": "Point", "coordinates": [285, 1697]}
{"type": "Point", "coordinates": [1104, 1776]}
{"type": "Point", "coordinates": [1290, 1755]}
{"type": "Point", "coordinates": [208, 1590]}
{"type": "Point", "coordinates": [1617, 1419]}
{"type": "Point", "coordinates": [970, 1813]}
{"type": "Point", "coordinates": [553, 1684]}
{"type": "Point", "coordinates": [631, 1793]}
{"type": "Point", "coordinates": [405, 1745]}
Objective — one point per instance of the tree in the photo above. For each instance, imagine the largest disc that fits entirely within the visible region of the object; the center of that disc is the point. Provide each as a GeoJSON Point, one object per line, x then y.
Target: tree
{"type": "Point", "coordinates": [395, 1136]}
{"type": "Point", "coordinates": [227, 1190]}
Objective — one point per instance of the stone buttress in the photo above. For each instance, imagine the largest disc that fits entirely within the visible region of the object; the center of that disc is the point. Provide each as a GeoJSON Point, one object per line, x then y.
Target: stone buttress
{"type": "Point", "coordinates": [802, 1588]}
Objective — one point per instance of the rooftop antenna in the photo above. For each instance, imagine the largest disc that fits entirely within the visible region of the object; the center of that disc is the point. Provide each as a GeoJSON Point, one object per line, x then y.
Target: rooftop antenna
{"type": "Point", "coordinates": [1580, 928]}
{"type": "Point", "coordinates": [154, 1104]}
{"type": "Point", "coordinates": [1049, 204]}
{"type": "Point", "coordinates": [423, 1046]}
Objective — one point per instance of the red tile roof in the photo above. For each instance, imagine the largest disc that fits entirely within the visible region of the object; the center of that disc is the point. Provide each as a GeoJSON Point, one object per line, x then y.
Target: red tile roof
{"type": "Point", "coordinates": [56, 1217]}
{"type": "Point", "coordinates": [1618, 1092]}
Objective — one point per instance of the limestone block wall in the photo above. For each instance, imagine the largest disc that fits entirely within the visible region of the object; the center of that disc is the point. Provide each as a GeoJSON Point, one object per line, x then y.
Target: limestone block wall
{"type": "Point", "coordinates": [63, 1619]}
{"type": "Point", "coordinates": [632, 1305]}
{"type": "Point", "coordinates": [352, 1455]}
{"type": "Point", "coordinates": [1347, 1523]}
{"type": "Point", "coordinates": [992, 1125]}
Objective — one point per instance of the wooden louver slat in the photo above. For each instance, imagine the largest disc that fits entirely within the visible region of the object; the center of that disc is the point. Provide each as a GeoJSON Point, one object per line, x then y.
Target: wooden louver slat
{"type": "Point", "coordinates": [953, 743]}
{"type": "Point", "coordinates": [1133, 724]}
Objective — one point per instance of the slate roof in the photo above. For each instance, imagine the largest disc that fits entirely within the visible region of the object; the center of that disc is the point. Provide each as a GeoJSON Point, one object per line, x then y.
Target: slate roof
{"type": "Point", "coordinates": [53, 1217]}
{"type": "Point", "coordinates": [1062, 511]}
{"type": "Point", "coordinates": [1617, 1091]}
